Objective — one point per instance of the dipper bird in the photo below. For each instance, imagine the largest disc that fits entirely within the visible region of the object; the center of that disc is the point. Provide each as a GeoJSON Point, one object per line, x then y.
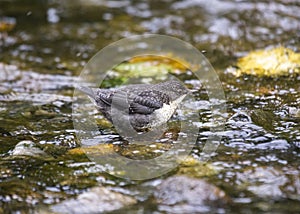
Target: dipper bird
{"type": "Point", "coordinates": [145, 105]}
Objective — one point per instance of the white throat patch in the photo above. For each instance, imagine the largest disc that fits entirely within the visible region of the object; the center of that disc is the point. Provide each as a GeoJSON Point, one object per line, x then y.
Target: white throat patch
{"type": "Point", "coordinates": [162, 115]}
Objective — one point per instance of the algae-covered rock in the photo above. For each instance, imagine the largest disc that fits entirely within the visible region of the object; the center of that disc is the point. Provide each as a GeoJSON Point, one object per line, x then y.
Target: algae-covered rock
{"type": "Point", "coordinates": [151, 66]}
{"type": "Point", "coordinates": [195, 168]}
{"type": "Point", "coordinates": [7, 24]}
{"type": "Point", "coordinates": [275, 62]}
{"type": "Point", "coordinates": [101, 149]}
{"type": "Point", "coordinates": [265, 119]}
{"type": "Point", "coordinates": [145, 68]}
{"type": "Point", "coordinates": [132, 151]}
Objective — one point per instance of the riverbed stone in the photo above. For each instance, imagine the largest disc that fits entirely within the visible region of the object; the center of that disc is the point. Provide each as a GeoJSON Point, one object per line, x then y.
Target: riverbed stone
{"type": "Point", "coordinates": [279, 61]}
{"type": "Point", "coordinates": [182, 194]}
{"type": "Point", "coordinates": [27, 148]}
{"type": "Point", "coordinates": [270, 182]}
{"type": "Point", "coordinates": [96, 200]}
{"type": "Point", "coordinates": [192, 167]}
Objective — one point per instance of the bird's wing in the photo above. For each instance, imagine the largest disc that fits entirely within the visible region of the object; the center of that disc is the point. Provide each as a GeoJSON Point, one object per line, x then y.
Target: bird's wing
{"type": "Point", "coordinates": [147, 102]}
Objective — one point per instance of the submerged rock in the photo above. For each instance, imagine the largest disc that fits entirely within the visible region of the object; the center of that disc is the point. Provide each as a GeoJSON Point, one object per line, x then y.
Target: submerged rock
{"type": "Point", "coordinates": [96, 200]}
{"type": "Point", "coordinates": [265, 119]}
{"type": "Point", "coordinates": [276, 62]}
{"type": "Point", "coordinates": [182, 194]}
{"type": "Point", "coordinates": [195, 168]}
{"type": "Point", "coordinates": [27, 148]}
{"type": "Point", "coordinates": [269, 182]}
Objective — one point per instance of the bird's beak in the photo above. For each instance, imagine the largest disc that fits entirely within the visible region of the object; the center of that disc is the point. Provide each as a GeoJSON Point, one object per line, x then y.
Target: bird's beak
{"type": "Point", "coordinates": [87, 90]}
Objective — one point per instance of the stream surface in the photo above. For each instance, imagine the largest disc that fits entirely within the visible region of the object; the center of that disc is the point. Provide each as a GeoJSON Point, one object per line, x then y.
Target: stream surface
{"type": "Point", "coordinates": [257, 164]}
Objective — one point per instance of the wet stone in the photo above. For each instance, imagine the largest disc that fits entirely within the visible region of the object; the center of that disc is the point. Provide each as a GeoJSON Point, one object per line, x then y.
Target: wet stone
{"type": "Point", "coordinates": [96, 200]}
{"type": "Point", "coordinates": [27, 148]}
{"type": "Point", "coordinates": [195, 168]}
{"type": "Point", "coordinates": [275, 62]}
{"type": "Point", "coordinates": [182, 194]}
{"type": "Point", "coordinates": [269, 182]}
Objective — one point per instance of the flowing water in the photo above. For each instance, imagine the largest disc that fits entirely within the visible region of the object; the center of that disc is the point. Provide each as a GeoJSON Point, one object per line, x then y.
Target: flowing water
{"type": "Point", "coordinates": [257, 161]}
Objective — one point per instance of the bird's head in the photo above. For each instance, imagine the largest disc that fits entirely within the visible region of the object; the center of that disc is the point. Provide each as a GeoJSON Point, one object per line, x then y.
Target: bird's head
{"type": "Point", "coordinates": [174, 88]}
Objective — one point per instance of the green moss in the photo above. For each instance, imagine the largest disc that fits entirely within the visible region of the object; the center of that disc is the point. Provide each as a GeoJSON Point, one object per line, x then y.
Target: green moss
{"type": "Point", "coordinates": [146, 68]}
